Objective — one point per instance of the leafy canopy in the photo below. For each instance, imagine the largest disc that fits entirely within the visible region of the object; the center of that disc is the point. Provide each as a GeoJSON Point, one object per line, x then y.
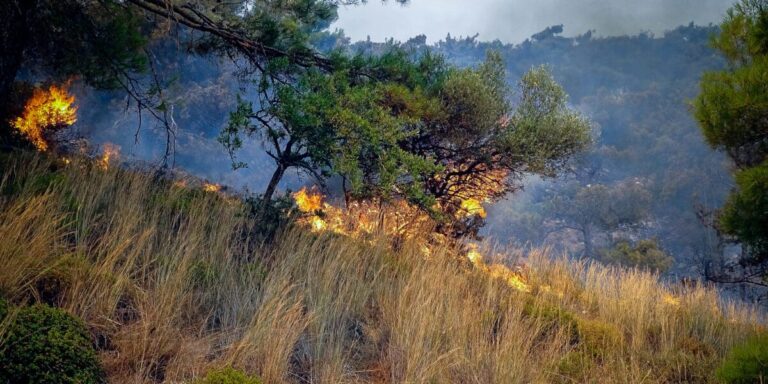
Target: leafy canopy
{"type": "Point", "coordinates": [732, 111]}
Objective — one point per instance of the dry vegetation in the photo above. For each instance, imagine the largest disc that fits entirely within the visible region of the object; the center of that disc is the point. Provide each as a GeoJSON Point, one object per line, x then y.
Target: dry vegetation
{"type": "Point", "coordinates": [171, 286]}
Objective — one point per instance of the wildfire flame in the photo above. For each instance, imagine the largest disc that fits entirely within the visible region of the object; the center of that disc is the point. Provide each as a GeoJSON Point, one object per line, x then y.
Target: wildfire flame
{"type": "Point", "coordinates": [109, 153]}
{"type": "Point", "coordinates": [360, 219]}
{"type": "Point", "coordinates": [671, 300]}
{"type": "Point", "coordinates": [398, 219]}
{"type": "Point", "coordinates": [308, 202]}
{"type": "Point", "coordinates": [46, 110]}
{"type": "Point", "coordinates": [514, 279]}
{"type": "Point", "coordinates": [472, 207]}
{"type": "Point", "coordinates": [210, 187]}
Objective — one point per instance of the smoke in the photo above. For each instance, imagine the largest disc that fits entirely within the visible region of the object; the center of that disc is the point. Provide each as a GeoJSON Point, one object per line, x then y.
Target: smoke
{"type": "Point", "coordinates": [512, 21]}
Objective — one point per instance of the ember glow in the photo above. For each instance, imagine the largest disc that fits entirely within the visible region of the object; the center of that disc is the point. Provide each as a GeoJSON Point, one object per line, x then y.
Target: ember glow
{"type": "Point", "coordinates": [46, 110]}
{"type": "Point", "coordinates": [361, 219]}
{"type": "Point", "coordinates": [395, 220]}
{"type": "Point", "coordinates": [472, 207]}
{"type": "Point", "coordinates": [210, 187]}
{"type": "Point", "coordinates": [514, 279]}
{"type": "Point", "coordinates": [110, 152]}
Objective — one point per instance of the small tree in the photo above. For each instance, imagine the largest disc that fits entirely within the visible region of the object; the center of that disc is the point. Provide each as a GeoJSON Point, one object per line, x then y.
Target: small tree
{"type": "Point", "coordinates": [597, 208]}
{"type": "Point", "coordinates": [484, 143]}
{"type": "Point", "coordinates": [645, 254]}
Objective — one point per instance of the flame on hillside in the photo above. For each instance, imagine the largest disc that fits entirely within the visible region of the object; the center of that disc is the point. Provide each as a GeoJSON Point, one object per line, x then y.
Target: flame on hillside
{"type": "Point", "coordinates": [109, 153]}
{"type": "Point", "coordinates": [471, 207]}
{"type": "Point", "coordinates": [513, 278]}
{"type": "Point", "coordinates": [47, 109]}
{"type": "Point", "coordinates": [360, 219]}
{"type": "Point", "coordinates": [211, 187]}
{"type": "Point", "coordinates": [398, 219]}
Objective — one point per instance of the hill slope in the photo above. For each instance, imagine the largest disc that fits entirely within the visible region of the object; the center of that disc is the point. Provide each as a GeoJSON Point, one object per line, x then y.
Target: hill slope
{"type": "Point", "coordinates": [171, 284]}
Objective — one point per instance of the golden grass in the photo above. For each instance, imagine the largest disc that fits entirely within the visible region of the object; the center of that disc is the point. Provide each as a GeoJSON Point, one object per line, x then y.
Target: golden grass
{"type": "Point", "coordinates": [170, 285]}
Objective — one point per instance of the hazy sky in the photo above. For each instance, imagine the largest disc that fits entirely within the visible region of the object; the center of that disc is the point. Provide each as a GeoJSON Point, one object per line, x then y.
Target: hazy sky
{"type": "Point", "coordinates": [515, 20]}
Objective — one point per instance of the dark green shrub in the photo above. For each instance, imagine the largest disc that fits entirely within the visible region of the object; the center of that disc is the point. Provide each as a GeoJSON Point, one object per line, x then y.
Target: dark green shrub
{"type": "Point", "coordinates": [228, 375]}
{"type": "Point", "coordinates": [263, 226]}
{"type": "Point", "coordinates": [574, 367]}
{"type": "Point", "coordinates": [645, 254]}
{"type": "Point", "coordinates": [746, 363]}
{"type": "Point", "coordinates": [599, 338]}
{"type": "Point", "coordinates": [47, 345]}
{"type": "Point", "coordinates": [3, 309]}
{"type": "Point", "coordinates": [553, 319]}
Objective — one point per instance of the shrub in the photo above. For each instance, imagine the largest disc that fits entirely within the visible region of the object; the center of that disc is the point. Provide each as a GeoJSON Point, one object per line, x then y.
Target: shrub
{"type": "Point", "coordinates": [574, 367]}
{"type": "Point", "coordinates": [3, 309]}
{"type": "Point", "coordinates": [746, 363]}
{"type": "Point", "coordinates": [553, 319]}
{"type": "Point", "coordinates": [645, 254]}
{"type": "Point", "coordinates": [47, 345]}
{"type": "Point", "coordinates": [598, 337]}
{"type": "Point", "coordinates": [228, 375]}
{"type": "Point", "coordinates": [63, 274]}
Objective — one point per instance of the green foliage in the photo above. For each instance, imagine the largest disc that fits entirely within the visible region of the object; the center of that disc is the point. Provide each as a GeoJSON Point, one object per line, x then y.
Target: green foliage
{"type": "Point", "coordinates": [544, 131]}
{"type": "Point", "coordinates": [645, 254]}
{"type": "Point", "coordinates": [266, 219]}
{"type": "Point", "coordinates": [746, 363]}
{"type": "Point", "coordinates": [745, 215]}
{"type": "Point", "coordinates": [599, 338]}
{"type": "Point", "coordinates": [732, 110]}
{"type": "Point", "coordinates": [3, 310]}
{"type": "Point", "coordinates": [228, 375]}
{"type": "Point", "coordinates": [48, 345]}
{"type": "Point", "coordinates": [100, 41]}
{"type": "Point", "coordinates": [69, 270]}
{"type": "Point", "coordinates": [573, 367]}
{"type": "Point", "coordinates": [599, 207]}
{"type": "Point", "coordinates": [553, 319]}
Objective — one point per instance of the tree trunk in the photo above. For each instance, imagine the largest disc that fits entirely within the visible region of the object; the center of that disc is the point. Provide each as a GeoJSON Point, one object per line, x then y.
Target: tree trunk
{"type": "Point", "coordinates": [271, 188]}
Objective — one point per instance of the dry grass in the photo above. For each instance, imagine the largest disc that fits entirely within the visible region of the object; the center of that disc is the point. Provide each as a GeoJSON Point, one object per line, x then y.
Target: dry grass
{"type": "Point", "coordinates": [169, 287]}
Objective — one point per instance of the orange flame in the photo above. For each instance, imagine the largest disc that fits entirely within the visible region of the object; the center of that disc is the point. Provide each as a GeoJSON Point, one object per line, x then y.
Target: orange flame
{"type": "Point", "coordinates": [109, 153]}
{"type": "Point", "coordinates": [210, 187]}
{"type": "Point", "coordinates": [470, 207]}
{"type": "Point", "coordinates": [514, 279]}
{"type": "Point", "coordinates": [308, 201]}
{"type": "Point", "coordinates": [398, 219]}
{"type": "Point", "coordinates": [46, 110]}
{"type": "Point", "coordinates": [360, 219]}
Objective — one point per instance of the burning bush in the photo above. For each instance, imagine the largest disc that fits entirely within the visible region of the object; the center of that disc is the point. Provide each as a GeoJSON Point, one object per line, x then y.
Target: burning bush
{"type": "Point", "coordinates": [48, 110]}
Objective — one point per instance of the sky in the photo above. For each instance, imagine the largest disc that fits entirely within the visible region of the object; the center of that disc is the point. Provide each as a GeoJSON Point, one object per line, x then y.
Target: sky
{"type": "Point", "coordinates": [512, 21]}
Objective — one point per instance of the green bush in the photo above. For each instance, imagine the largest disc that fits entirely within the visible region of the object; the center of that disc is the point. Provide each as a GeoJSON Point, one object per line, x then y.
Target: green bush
{"type": "Point", "coordinates": [745, 215]}
{"type": "Point", "coordinates": [574, 367]}
{"type": "Point", "coordinates": [3, 309]}
{"type": "Point", "coordinates": [47, 345]}
{"type": "Point", "coordinates": [228, 375]}
{"type": "Point", "coordinates": [553, 319]}
{"type": "Point", "coordinates": [598, 337]}
{"type": "Point", "coordinates": [645, 254]}
{"type": "Point", "coordinates": [746, 363]}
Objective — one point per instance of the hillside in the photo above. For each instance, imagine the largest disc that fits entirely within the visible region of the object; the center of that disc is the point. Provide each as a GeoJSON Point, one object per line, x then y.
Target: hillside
{"type": "Point", "coordinates": [635, 90]}
{"type": "Point", "coordinates": [172, 283]}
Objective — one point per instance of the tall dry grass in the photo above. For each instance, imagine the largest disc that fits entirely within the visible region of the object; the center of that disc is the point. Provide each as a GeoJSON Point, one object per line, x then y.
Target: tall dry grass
{"type": "Point", "coordinates": [170, 284]}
